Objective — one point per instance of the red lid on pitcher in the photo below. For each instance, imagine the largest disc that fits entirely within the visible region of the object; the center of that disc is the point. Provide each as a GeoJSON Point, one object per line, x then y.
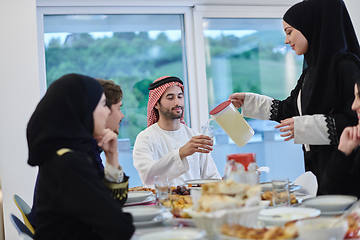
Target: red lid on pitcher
{"type": "Point", "coordinates": [220, 107]}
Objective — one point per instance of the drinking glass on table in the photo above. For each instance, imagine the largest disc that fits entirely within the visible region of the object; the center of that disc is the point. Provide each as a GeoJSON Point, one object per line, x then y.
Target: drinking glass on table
{"type": "Point", "coordinates": [162, 189]}
{"type": "Point", "coordinates": [281, 193]}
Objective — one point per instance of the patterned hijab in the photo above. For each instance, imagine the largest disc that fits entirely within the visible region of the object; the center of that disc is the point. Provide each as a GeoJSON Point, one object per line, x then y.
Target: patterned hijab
{"type": "Point", "coordinates": [157, 89]}
{"type": "Point", "coordinates": [63, 118]}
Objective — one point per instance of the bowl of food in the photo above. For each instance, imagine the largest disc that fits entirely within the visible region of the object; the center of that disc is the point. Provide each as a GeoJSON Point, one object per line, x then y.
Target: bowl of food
{"type": "Point", "coordinates": [144, 213]}
{"type": "Point", "coordinates": [330, 203]}
{"type": "Point", "coordinates": [281, 215]}
{"type": "Point", "coordinates": [319, 229]}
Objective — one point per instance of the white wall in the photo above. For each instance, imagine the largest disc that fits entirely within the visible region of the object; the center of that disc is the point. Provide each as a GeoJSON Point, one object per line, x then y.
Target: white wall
{"type": "Point", "coordinates": [19, 94]}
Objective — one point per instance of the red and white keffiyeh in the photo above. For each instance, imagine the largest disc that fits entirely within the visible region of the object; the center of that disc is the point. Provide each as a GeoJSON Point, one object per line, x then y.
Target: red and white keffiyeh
{"type": "Point", "coordinates": [154, 96]}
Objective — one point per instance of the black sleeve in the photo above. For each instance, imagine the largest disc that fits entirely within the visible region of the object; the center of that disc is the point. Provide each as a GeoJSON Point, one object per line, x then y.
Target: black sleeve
{"type": "Point", "coordinates": [342, 174]}
{"type": "Point", "coordinates": [344, 116]}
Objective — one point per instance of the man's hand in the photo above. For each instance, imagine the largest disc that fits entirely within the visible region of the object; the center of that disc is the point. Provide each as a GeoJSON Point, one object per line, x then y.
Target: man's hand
{"type": "Point", "coordinates": [349, 139]}
{"type": "Point", "coordinates": [200, 143]}
{"type": "Point", "coordinates": [108, 143]}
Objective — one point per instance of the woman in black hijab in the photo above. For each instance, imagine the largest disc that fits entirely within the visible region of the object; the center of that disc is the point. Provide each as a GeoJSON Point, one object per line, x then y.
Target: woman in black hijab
{"type": "Point", "coordinates": [342, 174]}
{"type": "Point", "coordinates": [319, 107]}
{"type": "Point", "coordinates": [73, 200]}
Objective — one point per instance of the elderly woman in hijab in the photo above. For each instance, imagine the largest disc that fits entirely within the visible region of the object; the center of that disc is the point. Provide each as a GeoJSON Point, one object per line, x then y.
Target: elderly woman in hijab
{"type": "Point", "coordinates": [73, 200]}
{"type": "Point", "coordinates": [319, 107]}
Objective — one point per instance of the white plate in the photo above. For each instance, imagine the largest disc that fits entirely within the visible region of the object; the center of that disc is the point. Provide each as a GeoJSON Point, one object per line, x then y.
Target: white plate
{"type": "Point", "coordinates": [147, 200]}
{"type": "Point", "coordinates": [144, 213]}
{"type": "Point", "coordinates": [201, 181]}
{"type": "Point", "coordinates": [330, 203]}
{"type": "Point", "coordinates": [281, 215]}
{"type": "Point", "coordinates": [180, 233]}
{"type": "Point", "coordinates": [185, 221]}
{"type": "Point", "coordinates": [225, 237]}
{"type": "Point", "coordinates": [336, 213]}
{"type": "Point", "coordinates": [137, 196]}
{"type": "Point", "coordinates": [156, 220]}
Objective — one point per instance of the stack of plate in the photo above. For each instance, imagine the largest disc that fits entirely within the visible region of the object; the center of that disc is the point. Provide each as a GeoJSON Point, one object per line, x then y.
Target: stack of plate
{"type": "Point", "coordinates": [139, 197]}
{"type": "Point", "coordinates": [330, 205]}
{"type": "Point", "coordinates": [145, 215]}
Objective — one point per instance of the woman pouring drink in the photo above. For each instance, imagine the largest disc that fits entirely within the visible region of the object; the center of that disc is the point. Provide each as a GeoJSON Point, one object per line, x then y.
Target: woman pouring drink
{"type": "Point", "coordinates": [319, 107]}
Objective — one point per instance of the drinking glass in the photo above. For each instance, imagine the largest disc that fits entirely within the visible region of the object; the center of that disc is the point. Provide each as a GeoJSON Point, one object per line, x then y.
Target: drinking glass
{"type": "Point", "coordinates": [281, 193]}
{"type": "Point", "coordinates": [162, 190]}
{"type": "Point", "coordinates": [208, 131]}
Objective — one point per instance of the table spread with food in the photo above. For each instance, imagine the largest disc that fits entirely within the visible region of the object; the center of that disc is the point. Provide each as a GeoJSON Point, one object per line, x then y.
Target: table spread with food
{"type": "Point", "coordinates": [225, 209]}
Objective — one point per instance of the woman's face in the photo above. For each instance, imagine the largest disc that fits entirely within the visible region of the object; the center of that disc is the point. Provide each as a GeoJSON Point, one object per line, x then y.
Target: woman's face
{"type": "Point", "coordinates": [356, 104]}
{"type": "Point", "coordinates": [100, 116]}
{"type": "Point", "coordinates": [295, 39]}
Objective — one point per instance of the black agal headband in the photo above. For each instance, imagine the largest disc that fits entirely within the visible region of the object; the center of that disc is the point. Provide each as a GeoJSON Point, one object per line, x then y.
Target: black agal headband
{"type": "Point", "coordinates": [163, 81]}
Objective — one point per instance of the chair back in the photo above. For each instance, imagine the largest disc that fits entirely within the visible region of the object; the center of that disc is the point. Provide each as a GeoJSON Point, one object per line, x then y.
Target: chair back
{"type": "Point", "coordinates": [20, 226]}
{"type": "Point", "coordinates": [25, 210]}
{"type": "Point", "coordinates": [24, 236]}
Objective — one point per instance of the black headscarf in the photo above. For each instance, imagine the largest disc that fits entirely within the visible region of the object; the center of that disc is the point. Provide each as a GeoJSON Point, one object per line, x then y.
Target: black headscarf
{"type": "Point", "coordinates": [63, 118]}
{"type": "Point", "coordinates": [330, 34]}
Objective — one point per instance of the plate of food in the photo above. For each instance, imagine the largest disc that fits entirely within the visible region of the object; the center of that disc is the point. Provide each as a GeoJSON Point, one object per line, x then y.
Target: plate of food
{"type": "Point", "coordinates": [268, 195]}
{"type": "Point", "coordinates": [239, 232]}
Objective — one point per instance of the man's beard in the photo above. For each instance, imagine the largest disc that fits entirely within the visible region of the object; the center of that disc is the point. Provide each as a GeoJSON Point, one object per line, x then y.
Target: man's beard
{"type": "Point", "coordinates": [170, 114]}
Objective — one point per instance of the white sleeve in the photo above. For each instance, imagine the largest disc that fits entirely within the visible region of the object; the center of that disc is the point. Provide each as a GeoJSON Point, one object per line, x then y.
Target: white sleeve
{"type": "Point", "coordinates": [311, 130]}
{"type": "Point", "coordinates": [113, 174]}
{"type": "Point", "coordinates": [257, 106]}
{"type": "Point", "coordinates": [208, 167]}
{"type": "Point", "coordinates": [148, 167]}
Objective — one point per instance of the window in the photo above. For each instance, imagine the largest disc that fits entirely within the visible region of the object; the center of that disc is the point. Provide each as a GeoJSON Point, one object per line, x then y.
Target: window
{"type": "Point", "coordinates": [249, 55]}
{"type": "Point", "coordinates": [130, 49]}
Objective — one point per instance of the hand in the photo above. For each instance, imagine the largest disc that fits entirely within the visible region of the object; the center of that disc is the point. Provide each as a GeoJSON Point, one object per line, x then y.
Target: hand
{"type": "Point", "coordinates": [238, 99]}
{"type": "Point", "coordinates": [108, 143]}
{"type": "Point", "coordinates": [200, 143]}
{"type": "Point", "coordinates": [349, 139]}
{"type": "Point", "coordinates": [287, 126]}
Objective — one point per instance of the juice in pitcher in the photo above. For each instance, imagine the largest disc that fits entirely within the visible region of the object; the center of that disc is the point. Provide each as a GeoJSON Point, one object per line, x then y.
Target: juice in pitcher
{"type": "Point", "coordinates": [231, 121]}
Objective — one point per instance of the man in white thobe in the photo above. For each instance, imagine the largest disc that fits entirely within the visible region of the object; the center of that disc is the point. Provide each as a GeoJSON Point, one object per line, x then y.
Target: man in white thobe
{"type": "Point", "coordinates": [167, 146]}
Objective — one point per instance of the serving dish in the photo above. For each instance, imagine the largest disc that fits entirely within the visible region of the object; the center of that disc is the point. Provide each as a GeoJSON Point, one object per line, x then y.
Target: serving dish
{"type": "Point", "coordinates": [330, 203]}
{"type": "Point", "coordinates": [138, 196]}
{"type": "Point", "coordinates": [144, 213]}
{"type": "Point", "coordinates": [281, 215]}
{"type": "Point", "coordinates": [179, 233]}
